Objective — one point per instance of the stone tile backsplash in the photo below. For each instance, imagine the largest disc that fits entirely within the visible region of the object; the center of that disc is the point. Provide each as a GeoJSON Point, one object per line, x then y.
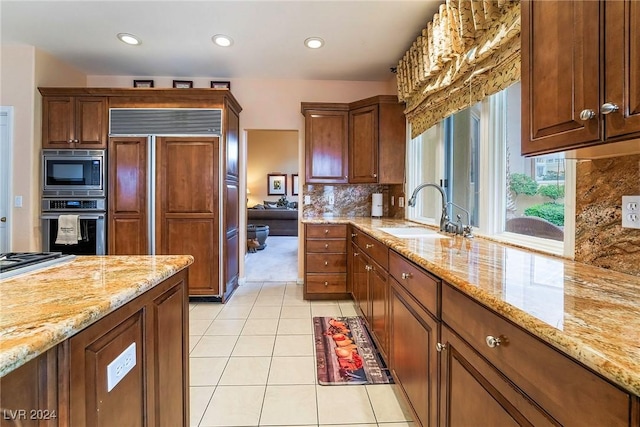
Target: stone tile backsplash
{"type": "Point", "coordinates": [351, 200]}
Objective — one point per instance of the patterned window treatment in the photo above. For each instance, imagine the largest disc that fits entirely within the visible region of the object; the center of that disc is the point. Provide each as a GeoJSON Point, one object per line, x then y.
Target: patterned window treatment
{"type": "Point", "coordinates": [469, 51]}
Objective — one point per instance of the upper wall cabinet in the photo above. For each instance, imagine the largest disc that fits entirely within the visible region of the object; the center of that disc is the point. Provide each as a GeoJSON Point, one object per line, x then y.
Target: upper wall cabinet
{"type": "Point", "coordinates": [74, 122]}
{"type": "Point", "coordinates": [361, 142]}
{"type": "Point", "coordinates": [571, 98]}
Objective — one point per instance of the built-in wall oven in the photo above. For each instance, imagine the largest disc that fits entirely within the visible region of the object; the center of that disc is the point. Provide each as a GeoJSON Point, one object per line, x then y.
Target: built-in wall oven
{"type": "Point", "coordinates": [75, 173]}
{"type": "Point", "coordinates": [92, 224]}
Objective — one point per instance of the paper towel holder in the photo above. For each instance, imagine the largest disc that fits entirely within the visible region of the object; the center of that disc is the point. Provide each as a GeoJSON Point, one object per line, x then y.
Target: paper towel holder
{"type": "Point", "coordinates": [376, 205]}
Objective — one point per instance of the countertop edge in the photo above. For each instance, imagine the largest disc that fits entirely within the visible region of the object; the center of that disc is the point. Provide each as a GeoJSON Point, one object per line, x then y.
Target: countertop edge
{"type": "Point", "coordinates": [562, 342]}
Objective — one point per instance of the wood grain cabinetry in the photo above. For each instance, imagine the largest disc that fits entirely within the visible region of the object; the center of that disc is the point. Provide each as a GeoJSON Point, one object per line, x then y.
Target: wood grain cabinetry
{"type": "Point", "coordinates": [523, 380]}
{"type": "Point", "coordinates": [580, 78]}
{"type": "Point", "coordinates": [360, 142]}
{"type": "Point", "coordinates": [325, 262]}
{"type": "Point", "coordinates": [74, 122]}
{"type": "Point", "coordinates": [370, 285]}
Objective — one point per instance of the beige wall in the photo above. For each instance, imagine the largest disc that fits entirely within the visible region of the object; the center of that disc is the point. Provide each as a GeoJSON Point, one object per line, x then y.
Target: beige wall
{"type": "Point", "coordinates": [24, 69]}
{"type": "Point", "coordinates": [270, 151]}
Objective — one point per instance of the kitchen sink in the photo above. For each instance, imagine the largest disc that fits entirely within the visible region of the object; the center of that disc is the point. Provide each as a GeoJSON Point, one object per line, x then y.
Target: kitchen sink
{"type": "Point", "coordinates": [413, 232]}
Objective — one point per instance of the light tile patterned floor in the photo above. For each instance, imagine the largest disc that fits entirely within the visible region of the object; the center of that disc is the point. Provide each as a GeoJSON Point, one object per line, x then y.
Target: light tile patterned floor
{"type": "Point", "coordinates": [253, 364]}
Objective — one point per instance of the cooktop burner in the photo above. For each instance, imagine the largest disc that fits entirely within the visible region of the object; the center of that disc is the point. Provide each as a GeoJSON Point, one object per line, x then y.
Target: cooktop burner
{"type": "Point", "coordinates": [12, 263]}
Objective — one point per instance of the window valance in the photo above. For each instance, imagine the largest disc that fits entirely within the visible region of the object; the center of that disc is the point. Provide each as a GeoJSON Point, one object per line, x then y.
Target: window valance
{"type": "Point", "coordinates": [469, 51]}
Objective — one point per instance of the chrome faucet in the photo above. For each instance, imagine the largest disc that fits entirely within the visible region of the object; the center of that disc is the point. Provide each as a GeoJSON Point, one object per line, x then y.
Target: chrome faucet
{"type": "Point", "coordinates": [445, 225]}
{"type": "Point", "coordinates": [444, 219]}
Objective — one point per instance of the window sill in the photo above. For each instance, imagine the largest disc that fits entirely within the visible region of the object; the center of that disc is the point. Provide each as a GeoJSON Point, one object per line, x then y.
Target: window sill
{"type": "Point", "coordinates": [548, 246]}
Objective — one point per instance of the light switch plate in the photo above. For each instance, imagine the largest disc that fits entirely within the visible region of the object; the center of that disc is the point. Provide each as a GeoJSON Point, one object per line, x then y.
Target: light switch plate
{"type": "Point", "coordinates": [121, 366]}
{"type": "Point", "coordinates": [631, 212]}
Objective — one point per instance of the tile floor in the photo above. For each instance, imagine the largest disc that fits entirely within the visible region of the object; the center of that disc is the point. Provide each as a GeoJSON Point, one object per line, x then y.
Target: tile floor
{"type": "Point", "coordinates": [253, 364]}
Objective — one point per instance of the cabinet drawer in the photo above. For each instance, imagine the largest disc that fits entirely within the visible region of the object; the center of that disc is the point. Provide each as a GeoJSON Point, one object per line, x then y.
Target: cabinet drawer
{"type": "Point", "coordinates": [327, 245]}
{"type": "Point", "coordinates": [570, 393]}
{"type": "Point", "coordinates": [370, 246]}
{"type": "Point", "coordinates": [414, 279]}
{"type": "Point", "coordinates": [322, 231]}
{"type": "Point", "coordinates": [326, 283]}
{"type": "Point", "coordinates": [326, 263]}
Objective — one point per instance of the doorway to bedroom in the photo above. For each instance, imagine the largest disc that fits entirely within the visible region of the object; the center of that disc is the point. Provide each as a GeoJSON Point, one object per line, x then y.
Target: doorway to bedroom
{"type": "Point", "coordinates": [272, 206]}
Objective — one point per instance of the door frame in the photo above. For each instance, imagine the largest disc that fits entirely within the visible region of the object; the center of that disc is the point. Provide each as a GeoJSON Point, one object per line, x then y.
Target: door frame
{"type": "Point", "coordinates": [6, 175]}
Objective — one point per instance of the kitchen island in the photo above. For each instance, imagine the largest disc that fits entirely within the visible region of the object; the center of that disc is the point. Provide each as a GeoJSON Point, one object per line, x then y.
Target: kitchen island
{"type": "Point", "coordinates": [96, 341]}
{"type": "Point", "coordinates": [590, 314]}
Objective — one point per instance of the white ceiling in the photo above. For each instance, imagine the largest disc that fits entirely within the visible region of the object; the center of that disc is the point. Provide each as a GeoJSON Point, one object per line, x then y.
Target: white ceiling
{"type": "Point", "coordinates": [363, 39]}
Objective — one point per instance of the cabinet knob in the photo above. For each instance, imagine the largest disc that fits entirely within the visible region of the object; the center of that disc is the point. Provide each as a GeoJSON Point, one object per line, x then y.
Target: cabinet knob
{"type": "Point", "coordinates": [70, 141]}
{"type": "Point", "coordinates": [608, 108]}
{"type": "Point", "coordinates": [375, 175]}
{"type": "Point", "coordinates": [406, 276]}
{"type": "Point", "coordinates": [326, 283]}
{"type": "Point", "coordinates": [440, 347]}
{"type": "Point", "coordinates": [354, 234]}
{"type": "Point", "coordinates": [356, 254]}
{"type": "Point", "coordinates": [368, 246]}
{"type": "Point", "coordinates": [326, 246]}
{"type": "Point", "coordinates": [368, 268]}
{"type": "Point", "coordinates": [587, 114]}
{"type": "Point", "coordinates": [492, 341]}
{"type": "Point", "coordinates": [326, 263]}
{"type": "Point", "coordinates": [326, 231]}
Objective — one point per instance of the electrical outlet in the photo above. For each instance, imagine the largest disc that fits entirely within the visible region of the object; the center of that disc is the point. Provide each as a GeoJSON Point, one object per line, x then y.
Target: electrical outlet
{"type": "Point", "coordinates": [121, 366]}
{"type": "Point", "coordinates": [307, 199]}
{"type": "Point", "coordinates": [401, 202]}
{"type": "Point", "coordinates": [393, 200]}
{"type": "Point", "coordinates": [331, 199]}
{"type": "Point", "coordinates": [631, 212]}
{"type": "Point", "coordinates": [17, 202]}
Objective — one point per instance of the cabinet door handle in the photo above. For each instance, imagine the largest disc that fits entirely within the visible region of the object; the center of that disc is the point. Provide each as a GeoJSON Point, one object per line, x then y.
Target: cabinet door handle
{"type": "Point", "coordinates": [406, 276]}
{"type": "Point", "coordinates": [492, 341]}
{"type": "Point", "coordinates": [368, 246]}
{"type": "Point", "coordinates": [326, 283]}
{"type": "Point", "coordinates": [368, 267]}
{"type": "Point", "coordinates": [608, 108]}
{"type": "Point", "coordinates": [356, 254]}
{"type": "Point", "coordinates": [440, 347]}
{"type": "Point", "coordinates": [587, 114]}
{"type": "Point", "coordinates": [354, 235]}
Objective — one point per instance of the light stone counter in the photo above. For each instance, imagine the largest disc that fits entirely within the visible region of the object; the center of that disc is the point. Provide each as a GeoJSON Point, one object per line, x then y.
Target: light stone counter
{"type": "Point", "coordinates": [592, 314]}
{"type": "Point", "coordinates": [41, 309]}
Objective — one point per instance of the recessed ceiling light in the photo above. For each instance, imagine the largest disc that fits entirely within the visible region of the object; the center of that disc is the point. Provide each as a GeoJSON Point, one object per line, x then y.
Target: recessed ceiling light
{"type": "Point", "coordinates": [222, 40]}
{"type": "Point", "coordinates": [314, 42]}
{"type": "Point", "coordinates": [129, 39]}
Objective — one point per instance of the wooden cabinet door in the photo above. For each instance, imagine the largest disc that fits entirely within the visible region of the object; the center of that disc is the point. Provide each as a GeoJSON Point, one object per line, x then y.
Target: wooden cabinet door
{"type": "Point", "coordinates": [360, 283]}
{"type": "Point", "coordinates": [474, 393]}
{"type": "Point", "coordinates": [326, 141]}
{"type": "Point", "coordinates": [187, 206]}
{"type": "Point", "coordinates": [57, 121]}
{"type": "Point", "coordinates": [413, 336]}
{"type": "Point", "coordinates": [379, 294]}
{"type": "Point", "coordinates": [90, 121]}
{"type": "Point", "coordinates": [560, 74]}
{"type": "Point", "coordinates": [363, 145]}
{"type": "Point", "coordinates": [622, 67]}
{"type": "Point", "coordinates": [128, 210]}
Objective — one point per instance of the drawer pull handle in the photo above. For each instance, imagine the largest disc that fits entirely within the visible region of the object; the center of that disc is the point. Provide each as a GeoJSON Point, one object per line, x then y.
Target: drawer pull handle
{"type": "Point", "coordinates": [326, 283]}
{"type": "Point", "coordinates": [368, 267]}
{"type": "Point", "coordinates": [406, 276]}
{"type": "Point", "coordinates": [326, 246]}
{"type": "Point", "coordinates": [354, 235]}
{"type": "Point", "coordinates": [493, 342]}
{"type": "Point", "coordinates": [440, 347]}
{"type": "Point", "coordinates": [356, 254]}
{"type": "Point", "coordinates": [326, 263]}
{"type": "Point", "coordinates": [326, 231]}
{"type": "Point", "coordinates": [368, 246]}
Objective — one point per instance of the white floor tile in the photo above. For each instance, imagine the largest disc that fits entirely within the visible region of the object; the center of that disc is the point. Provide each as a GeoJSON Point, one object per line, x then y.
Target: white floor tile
{"type": "Point", "coordinates": [244, 299]}
{"type": "Point", "coordinates": [388, 405]}
{"type": "Point", "coordinates": [296, 312]}
{"type": "Point", "coordinates": [234, 406]}
{"type": "Point", "coordinates": [348, 311]}
{"type": "Point", "coordinates": [205, 310]}
{"type": "Point", "coordinates": [269, 300]}
{"type": "Point", "coordinates": [235, 312]}
{"type": "Point", "coordinates": [326, 310]}
{"type": "Point", "coordinates": [246, 371]}
{"type": "Point", "coordinates": [198, 327]}
{"type": "Point", "coordinates": [214, 346]}
{"type": "Point", "coordinates": [292, 370]}
{"type": "Point", "coordinates": [193, 341]}
{"type": "Point", "coordinates": [260, 327]}
{"type": "Point", "coordinates": [259, 312]}
{"type": "Point", "coordinates": [206, 371]}
{"type": "Point", "coordinates": [226, 327]}
{"type": "Point", "coordinates": [199, 398]}
{"type": "Point", "coordinates": [289, 405]}
{"type": "Point", "coordinates": [294, 301]}
{"type": "Point", "coordinates": [295, 326]}
{"type": "Point", "coordinates": [293, 345]}
{"type": "Point", "coordinates": [254, 345]}
{"type": "Point", "coordinates": [358, 409]}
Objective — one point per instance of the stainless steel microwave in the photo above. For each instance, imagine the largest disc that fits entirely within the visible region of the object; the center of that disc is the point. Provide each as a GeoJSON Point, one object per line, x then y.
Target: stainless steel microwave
{"type": "Point", "coordinates": [80, 173]}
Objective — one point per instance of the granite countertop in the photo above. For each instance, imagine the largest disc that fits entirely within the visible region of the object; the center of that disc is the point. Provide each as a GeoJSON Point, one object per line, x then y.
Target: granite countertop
{"type": "Point", "coordinates": [41, 309]}
{"type": "Point", "coordinates": [590, 313]}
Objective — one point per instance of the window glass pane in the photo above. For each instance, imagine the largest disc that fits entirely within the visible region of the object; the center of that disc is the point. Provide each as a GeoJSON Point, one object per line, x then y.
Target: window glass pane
{"type": "Point", "coordinates": [428, 201]}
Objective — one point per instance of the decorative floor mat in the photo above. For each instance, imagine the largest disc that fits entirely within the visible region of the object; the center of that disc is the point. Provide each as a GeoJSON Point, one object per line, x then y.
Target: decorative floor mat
{"type": "Point", "coordinates": [346, 354]}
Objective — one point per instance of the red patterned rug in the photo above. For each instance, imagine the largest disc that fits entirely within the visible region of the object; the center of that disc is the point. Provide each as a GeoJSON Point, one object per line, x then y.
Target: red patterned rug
{"type": "Point", "coordinates": [346, 354]}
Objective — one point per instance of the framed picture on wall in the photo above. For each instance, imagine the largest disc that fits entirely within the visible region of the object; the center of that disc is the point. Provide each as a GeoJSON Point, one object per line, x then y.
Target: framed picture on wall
{"type": "Point", "coordinates": [221, 85]}
{"type": "Point", "coordinates": [183, 84]}
{"type": "Point", "coordinates": [276, 184]}
{"type": "Point", "coordinates": [143, 83]}
{"type": "Point", "coordinates": [295, 184]}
